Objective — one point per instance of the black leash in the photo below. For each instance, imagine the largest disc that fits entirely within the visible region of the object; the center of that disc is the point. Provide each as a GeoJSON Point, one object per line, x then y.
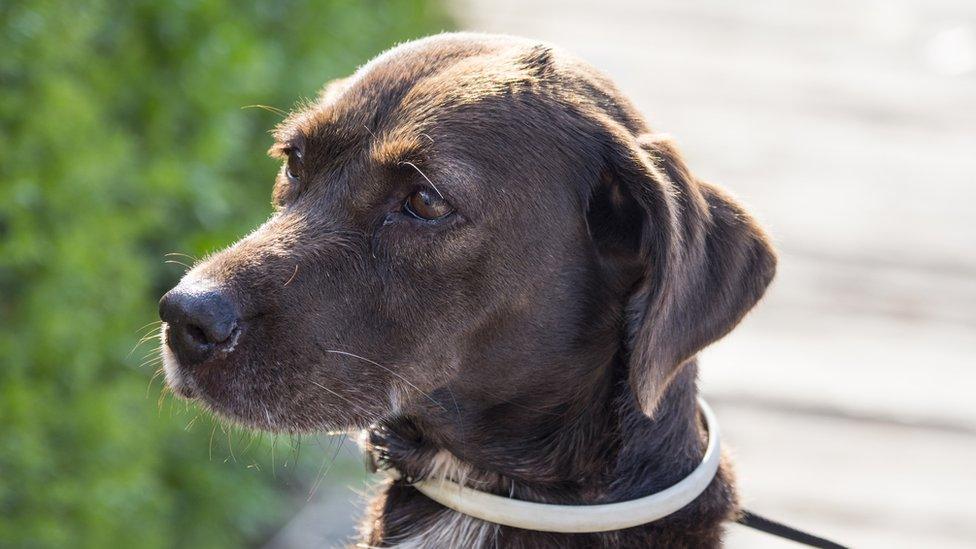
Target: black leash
{"type": "Point", "coordinates": [763, 524]}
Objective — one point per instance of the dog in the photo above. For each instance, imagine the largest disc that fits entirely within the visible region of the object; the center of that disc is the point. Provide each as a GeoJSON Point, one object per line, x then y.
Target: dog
{"type": "Point", "coordinates": [482, 255]}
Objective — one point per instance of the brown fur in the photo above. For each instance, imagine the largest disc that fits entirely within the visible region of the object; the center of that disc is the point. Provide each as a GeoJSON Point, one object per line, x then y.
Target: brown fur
{"type": "Point", "coordinates": [539, 342]}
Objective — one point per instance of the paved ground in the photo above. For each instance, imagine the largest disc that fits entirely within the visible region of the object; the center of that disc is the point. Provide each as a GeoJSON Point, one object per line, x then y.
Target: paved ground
{"type": "Point", "coordinates": [849, 127]}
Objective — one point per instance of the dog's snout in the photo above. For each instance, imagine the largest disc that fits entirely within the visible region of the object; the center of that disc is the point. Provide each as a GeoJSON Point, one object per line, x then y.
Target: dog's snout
{"type": "Point", "coordinates": [200, 322]}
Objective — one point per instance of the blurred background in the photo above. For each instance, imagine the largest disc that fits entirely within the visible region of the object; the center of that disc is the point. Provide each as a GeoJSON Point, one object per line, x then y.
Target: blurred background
{"type": "Point", "coordinates": [848, 127]}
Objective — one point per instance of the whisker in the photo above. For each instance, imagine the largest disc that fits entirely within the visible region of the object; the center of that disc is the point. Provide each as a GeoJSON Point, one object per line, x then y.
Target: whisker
{"type": "Point", "coordinates": [422, 174]}
{"type": "Point", "coordinates": [273, 110]}
{"type": "Point", "coordinates": [152, 364]}
{"type": "Point", "coordinates": [295, 442]}
{"type": "Point", "coordinates": [457, 410]}
{"type": "Point", "coordinates": [248, 439]}
{"type": "Point", "coordinates": [299, 445]}
{"type": "Point", "coordinates": [274, 445]}
{"type": "Point", "coordinates": [153, 351]}
{"type": "Point", "coordinates": [148, 337]}
{"type": "Point", "coordinates": [163, 393]}
{"type": "Point", "coordinates": [152, 355]}
{"type": "Point", "coordinates": [292, 276]}
{"type": "Point", "coordinates": [322, 475]}
{"type": "Point", "coordinates": [397, 374]}
{"type": "Point", "coordinates": [154, 323]}
{"type": "Point", "coordinates": [179, 254]}
{"type": "Point", "coordinates": [176, 262]}
{"type": "Point", "coordinates": [152, 379]}
{"type": "Point", "coordinates": [337, 395]}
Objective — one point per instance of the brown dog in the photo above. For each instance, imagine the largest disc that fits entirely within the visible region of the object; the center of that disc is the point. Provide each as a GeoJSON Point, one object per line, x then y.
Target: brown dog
{"type": "Point", "coordinates": [481, 250]}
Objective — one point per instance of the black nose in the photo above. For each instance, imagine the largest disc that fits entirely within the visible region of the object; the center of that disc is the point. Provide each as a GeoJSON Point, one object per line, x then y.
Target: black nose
{"type": "Point", "coordinates": [200, 322]}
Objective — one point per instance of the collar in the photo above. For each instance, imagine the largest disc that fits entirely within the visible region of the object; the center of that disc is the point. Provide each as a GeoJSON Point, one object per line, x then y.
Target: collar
{"type": "Point", "coordinates": [575, 519]}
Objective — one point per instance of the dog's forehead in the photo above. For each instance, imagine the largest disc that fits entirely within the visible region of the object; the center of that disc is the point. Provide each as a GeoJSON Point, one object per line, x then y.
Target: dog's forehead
{"type": "Point", "coordinates": [403, 93]}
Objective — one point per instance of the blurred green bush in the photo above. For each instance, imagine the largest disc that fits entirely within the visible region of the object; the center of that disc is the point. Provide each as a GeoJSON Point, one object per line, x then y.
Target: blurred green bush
{"type": "Point", "coordinates": [122, 138]}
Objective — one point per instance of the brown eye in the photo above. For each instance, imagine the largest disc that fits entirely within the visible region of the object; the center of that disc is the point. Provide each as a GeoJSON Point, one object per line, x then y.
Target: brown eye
{"type": "Point", "coordinates": [428, 205]}
{"type": "Point", "coordinates": [293, 165]}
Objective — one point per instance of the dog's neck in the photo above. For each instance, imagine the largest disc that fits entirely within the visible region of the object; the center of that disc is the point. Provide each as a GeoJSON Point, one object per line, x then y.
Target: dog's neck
{"type": "Point", "coordinates": [596, 447]}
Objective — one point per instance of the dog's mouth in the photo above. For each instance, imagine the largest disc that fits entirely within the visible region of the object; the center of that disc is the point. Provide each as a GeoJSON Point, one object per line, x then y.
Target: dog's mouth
{"type": "Point", "coordinates": [259, 366]}
{"type": "Point", "coordinates": [180, 375]}
{"type": "Point", "coordinates": [177, 378]}
{"type": "Point", "coordinates": [223, 383]}
{"type": "Point", "coordinates": [201, 384]}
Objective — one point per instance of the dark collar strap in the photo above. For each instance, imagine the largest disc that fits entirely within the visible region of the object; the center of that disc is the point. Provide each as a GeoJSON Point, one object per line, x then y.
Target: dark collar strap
{"type": "Point", "coordinates": [764, 524]}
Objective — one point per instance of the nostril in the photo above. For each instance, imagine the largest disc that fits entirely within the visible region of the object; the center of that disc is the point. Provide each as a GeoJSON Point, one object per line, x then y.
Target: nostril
{"type": "Point", "coordinates": [195, 334]}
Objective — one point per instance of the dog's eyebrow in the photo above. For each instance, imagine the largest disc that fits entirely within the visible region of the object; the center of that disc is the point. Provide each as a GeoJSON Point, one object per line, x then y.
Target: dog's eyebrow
{"type": "Point", "coordinates": [299, 127]}
{"type": "Point", "coordinates": [279, 150]}
{"type": "Point", "coordinates": [392, 150]}
{"type": "Point", "coordinates": [285, 141]}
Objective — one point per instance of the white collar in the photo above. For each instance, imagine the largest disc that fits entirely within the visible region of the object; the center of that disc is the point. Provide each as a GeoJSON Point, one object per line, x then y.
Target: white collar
{"type": "Point", "coordinates": [577, 519]}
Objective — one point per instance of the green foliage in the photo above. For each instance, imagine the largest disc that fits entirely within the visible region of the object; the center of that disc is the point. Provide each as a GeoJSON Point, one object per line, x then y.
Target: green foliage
{"type": "Point", "coordinates": [122, 138]}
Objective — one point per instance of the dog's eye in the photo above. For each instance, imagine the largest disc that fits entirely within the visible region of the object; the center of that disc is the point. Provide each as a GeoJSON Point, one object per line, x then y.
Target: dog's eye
{"type": "Point", "coordinates": [293, 165]}
{"type": "Point", "coordinates": [428, 205]}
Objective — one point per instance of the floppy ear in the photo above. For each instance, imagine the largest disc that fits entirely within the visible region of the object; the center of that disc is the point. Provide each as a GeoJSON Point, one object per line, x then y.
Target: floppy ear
{"type": "Point", "coordinates": [701, 261]}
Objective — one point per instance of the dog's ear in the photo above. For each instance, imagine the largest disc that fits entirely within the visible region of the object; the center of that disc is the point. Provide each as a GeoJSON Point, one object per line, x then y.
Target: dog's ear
{"type": "Point", "coordinates": [697, 260]}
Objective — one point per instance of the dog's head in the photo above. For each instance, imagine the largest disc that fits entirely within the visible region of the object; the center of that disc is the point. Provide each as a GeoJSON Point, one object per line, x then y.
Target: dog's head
{"type": "Point", "coordinates": [465, 214]}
